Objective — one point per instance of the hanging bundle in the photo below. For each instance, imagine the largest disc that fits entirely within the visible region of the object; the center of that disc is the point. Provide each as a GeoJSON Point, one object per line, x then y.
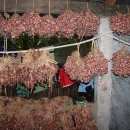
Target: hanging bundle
{"type": "Point", "coordinates": [120, 23]}
{"type": "Point", "coordinates": [46, 68]}
{"type": "Point", "coordinates": [87, 23]}
{"type": "Point", "coordinates": [121, 62]}
{"type": "Point", "coordinates": [67, 23]}
{"type": "Point", "coordinates": [76, 68]}
{"type": "Point", "coordinates": [14, 26]}
{"type": "Point", "coordinates": [31, 21]}
{"type": "Point", "coordinates": [25, 71]}
{"type": "Point", "coordinates": [96, 61]}
{"type": "Point", "coordinates": [74, 65]}
{"type": "Point", "coordinates": [48, 27]}
{"type": "Point", "coordinates": [7, 71]}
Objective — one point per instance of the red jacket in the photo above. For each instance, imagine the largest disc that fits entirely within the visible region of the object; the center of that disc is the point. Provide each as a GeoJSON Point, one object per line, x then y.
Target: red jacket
{"type": "Point", "coordinates": [64, 78]}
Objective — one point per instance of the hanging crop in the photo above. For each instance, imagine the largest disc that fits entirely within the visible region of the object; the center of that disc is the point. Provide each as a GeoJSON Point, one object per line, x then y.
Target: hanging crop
{"type": "Point", "coordinates": [121, 63]}
{"type": "Point", "coordinates": [87, 23]}
{"type": "Point", "coordinates": [120, 24]}
{"type": "Point", "coordinates": [76, 69]}
{"type": "Point", "coordinates": [96, 61]}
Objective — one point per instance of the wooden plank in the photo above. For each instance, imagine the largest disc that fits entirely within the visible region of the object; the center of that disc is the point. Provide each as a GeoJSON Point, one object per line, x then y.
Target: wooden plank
{"type": "Point", "coordinates": [59, 6]}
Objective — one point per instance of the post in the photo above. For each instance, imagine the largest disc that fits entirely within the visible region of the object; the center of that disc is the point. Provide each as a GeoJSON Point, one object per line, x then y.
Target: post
{"type": "Point", "coordinates": [102, 103]}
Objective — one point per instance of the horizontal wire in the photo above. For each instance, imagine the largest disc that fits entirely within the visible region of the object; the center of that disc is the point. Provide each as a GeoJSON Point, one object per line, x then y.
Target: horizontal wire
{"type": "Point", "coordinates": [57, 47]}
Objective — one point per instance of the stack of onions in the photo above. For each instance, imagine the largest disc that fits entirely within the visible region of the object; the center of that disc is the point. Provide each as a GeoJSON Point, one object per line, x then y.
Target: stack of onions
{"type": "Point", "coordinates": [7, 71]}
{"type": "Point", "coordinates": [87, 23]}
{"type": "Point", "coordinates": [2, 25]}
{"type": "Point", "coordinates": [76, 69]}
{"type": "Point", "coordinates": [120, 24]}
{"type": "Point", "coordinates": [14, 26]}
{"type": "Point", "coordinates": [67, 23]}
{"type": "Point", "coordinates": [46, 68]}
{"type": "Point", "coordinates": [48, 27]}
{"type": "Point", "coordinates": [121, 62]}
{"type": "Point", "coordinates": [31, 21]}
{"type": "Point", "coordinates": [96, 62]}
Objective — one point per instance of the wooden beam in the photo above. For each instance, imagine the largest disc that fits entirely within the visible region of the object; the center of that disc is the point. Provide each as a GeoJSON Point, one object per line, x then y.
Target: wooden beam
{"type": "Point", "coordinates": [59, 6]}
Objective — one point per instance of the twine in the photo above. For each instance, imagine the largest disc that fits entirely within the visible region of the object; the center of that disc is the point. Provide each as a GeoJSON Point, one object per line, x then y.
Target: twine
{"type": "Point", "coordinates": [128, 8]}
{"type": "Point", "coordinates": [92, 44]}
{"type": "Point", "coordinates": [94, 49]}
{"type": "Point", "coordinates": [5, 14]}
{"type": "Point", "coordinates": [124, 50]}
{"type": "Point", "coordinates": [118, 7]}
{"type": "Point", "coordinates": [78, 50]}
{"type": "Point", "coordinates": [4, 5]}
{"type": "Point", "coordinates": [118, 12]}
{"type": "Point", "coordinates": [79, 61]}
{"type": "Point", "coordinates": [87, 5]}
{"type": "Point", "coordinates": [67, 4]}
{"type": "Point", "coordinates": [33, 4]}
{"type": "Point", "coordinates": [49, 7]}
{"type": "Point", "coordinates": [6, 45]}
{"type": "Point", "coordinates": [15, 6]}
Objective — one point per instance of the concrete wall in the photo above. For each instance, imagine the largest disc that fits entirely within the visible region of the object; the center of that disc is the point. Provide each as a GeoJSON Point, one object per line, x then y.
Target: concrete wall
{"type": "Point", "coordinates": [102, 104]}
{"type": "Point", "coordinates": [112, 99]}
{"type": "Point", "coordinates": [120, 112]}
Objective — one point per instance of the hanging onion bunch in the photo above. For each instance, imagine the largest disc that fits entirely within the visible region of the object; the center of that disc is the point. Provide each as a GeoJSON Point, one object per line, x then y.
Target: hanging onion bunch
{"type": "Point", "coordinates": [76, 69]}
{"type": "Point", "coordinates": [96, 62]}
{"type": "Point", "coordinates": [14, 26]}
{"type": "Point", "coordinates": [2, 25]}
{"type": "Point", "coordinates": [46, 68]}
{"type": "Point", "coordinates": [25, 71]}
{"type": "Point", "coordinates": [87, 23]}
{"type": "Point", "coordinates": [67, 23]}
{"type": "Point", "coordinates": [121, 63]}
{"type": "Point", "coordinates": [120, 24]}
{"type": "Point", "coordinates": [31, 21]}
{"type": "Point", "coordinates": [48, 27]}
{"type": "Point", "coordinates": [7, 71]}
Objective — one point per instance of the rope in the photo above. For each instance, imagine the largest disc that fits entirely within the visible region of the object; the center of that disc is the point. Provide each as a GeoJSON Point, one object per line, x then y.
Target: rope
{"type": "Point", "coordinates": [4, 6]}
{"type": "Point", "coordinates": [78, 46]}
{"type": "Point", "coordinates": [118, 39]}
{"type": "Point", "coordinates": [5, 14]}
{"type": "Point", "coordinates": [49, 7]}
{"type": "Point", "coordinates": [6, 46]}
{"type": "Point", "coordinates": [128, 8]}
{"type": "Point", "coordinates": [92, 44]}
{"type": "Point", "coordinates": [4, 43]}
{"type": "Point", "coordinates": [87, 5]}
{"type": "Point", "coordinates": [33, 4]}
{"type": "Point", "coordinates": [15, 6]}
{"type": "Point", "coordinates": [73, 44]}
{"type": "Point", "coordinates": [78, 50]}
{"type": "Point", "coordinates": [67, 4]}
{"type": "Point", "coordinates": [119, 8]}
